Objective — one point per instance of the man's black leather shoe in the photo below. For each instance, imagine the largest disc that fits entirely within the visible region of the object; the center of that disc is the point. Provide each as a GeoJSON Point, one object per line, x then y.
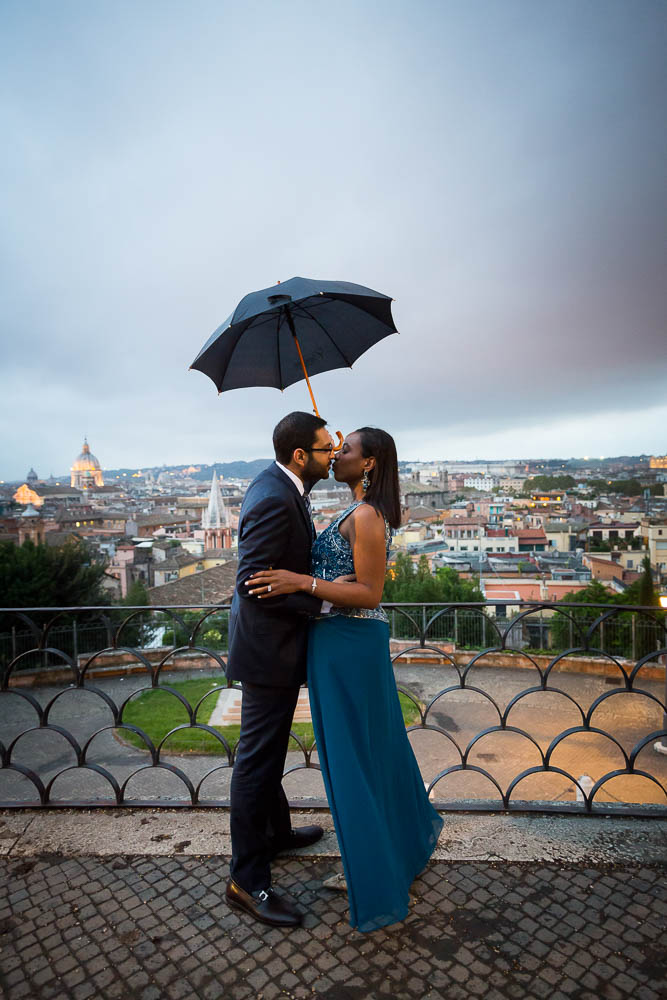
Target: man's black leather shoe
{"type": "Point", "coordinates": [302, 836]}
{"type": "Point", "coordinates": [266, 906]}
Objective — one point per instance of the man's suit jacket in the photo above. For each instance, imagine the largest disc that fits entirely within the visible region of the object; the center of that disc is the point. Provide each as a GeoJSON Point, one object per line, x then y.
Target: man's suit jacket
{"type": "Point", "coordinates": [268, 638]}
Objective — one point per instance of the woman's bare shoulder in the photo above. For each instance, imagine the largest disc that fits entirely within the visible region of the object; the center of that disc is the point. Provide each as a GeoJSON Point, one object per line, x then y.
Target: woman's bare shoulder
{"type": "Point", "coordinates": [367, 517]}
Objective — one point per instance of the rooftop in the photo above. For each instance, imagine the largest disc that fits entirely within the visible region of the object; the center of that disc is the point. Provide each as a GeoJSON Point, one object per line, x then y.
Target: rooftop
{"type": "Point", "coordinates": [211, 586]}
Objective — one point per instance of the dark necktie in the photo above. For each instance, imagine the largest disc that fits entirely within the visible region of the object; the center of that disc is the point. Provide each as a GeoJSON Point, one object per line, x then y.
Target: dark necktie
{"type": "Point", "coordinates": [309, 509]}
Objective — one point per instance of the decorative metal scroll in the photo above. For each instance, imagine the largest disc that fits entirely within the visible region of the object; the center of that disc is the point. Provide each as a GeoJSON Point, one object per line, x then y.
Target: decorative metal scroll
{"type": "Point", "coordinates": [546, 707]}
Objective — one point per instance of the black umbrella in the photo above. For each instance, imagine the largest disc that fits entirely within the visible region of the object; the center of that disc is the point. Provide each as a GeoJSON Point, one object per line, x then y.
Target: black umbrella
{"type": "Point", "coordinates": [279, 335]}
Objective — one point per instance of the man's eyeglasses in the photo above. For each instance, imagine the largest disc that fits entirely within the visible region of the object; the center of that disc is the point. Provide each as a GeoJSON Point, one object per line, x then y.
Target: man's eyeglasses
{"type": "Point", "coordinates": [329, 449]}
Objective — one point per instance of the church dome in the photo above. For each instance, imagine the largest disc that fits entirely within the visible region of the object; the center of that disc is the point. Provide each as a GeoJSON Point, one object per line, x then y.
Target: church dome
{"type": "Point", "coordinates": [86, 461]}
{"type": "Point", "coordinates": [86, 470]}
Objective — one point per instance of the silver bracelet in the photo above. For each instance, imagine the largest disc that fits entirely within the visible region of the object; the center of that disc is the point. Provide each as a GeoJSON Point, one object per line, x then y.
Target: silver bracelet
{"type": "Point", "coordinates": [313, 586]}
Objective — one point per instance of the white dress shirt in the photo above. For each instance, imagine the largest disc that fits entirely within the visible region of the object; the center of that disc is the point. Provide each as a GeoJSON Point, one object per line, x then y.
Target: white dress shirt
{"type": "Point", "coordinates": [293, 476]}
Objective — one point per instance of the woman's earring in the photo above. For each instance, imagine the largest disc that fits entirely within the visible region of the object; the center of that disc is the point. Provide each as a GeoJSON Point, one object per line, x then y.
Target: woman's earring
{"type": "Point", "coordinates": [365, 482]}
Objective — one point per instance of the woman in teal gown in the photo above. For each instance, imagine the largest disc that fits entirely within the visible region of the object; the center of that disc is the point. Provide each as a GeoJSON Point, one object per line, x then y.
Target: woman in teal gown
{"type": "Point", "coordinates": [386, 826]}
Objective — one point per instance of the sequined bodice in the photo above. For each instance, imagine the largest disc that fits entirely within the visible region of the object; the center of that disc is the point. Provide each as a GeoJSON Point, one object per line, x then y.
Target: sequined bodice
{"type": "Point", "coordinates": [332, 556]}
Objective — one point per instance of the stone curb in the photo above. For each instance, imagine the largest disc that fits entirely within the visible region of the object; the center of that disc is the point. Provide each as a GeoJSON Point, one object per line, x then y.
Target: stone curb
{"type": "Point", "coordinates": [465, 836]}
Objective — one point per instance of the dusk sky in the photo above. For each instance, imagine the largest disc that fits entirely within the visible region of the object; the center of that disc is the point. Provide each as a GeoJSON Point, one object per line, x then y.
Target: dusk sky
{"type": "Point", "coordinates": [497, 166]}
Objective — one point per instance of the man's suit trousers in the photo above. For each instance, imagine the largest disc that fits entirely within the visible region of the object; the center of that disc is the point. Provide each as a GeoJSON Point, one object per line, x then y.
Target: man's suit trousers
{"type": "Point", "coordinates": [260, 817]}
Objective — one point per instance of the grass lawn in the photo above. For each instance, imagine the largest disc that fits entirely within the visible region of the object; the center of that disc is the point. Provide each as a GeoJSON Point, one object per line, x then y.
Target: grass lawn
{"type": "Point", "coordinates": [157, 712]}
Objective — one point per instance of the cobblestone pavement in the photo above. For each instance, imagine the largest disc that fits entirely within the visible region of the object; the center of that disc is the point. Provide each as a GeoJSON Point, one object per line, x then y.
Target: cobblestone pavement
{"type": "Point", "coordinates": [154, 927]}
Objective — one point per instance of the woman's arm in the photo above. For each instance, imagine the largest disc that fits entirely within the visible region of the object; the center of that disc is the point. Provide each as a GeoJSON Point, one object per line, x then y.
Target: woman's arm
{"type": "Point", "coordinates": [369, 553]}
{"type": "Point", "coordinates": [265, 535]}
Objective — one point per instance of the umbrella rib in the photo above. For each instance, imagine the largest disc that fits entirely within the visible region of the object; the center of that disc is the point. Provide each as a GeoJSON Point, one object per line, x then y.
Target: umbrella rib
{"type": "Point", "coordinates": [353, 305]}
{"type": "Point", "coordinates": [280, 367]}
{"type": "Point", "coordinates": [250, 326]}
{"type": "Point", "coordinates": [326, 332]}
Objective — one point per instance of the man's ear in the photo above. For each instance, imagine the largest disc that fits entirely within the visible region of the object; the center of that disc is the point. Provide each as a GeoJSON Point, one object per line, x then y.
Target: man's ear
{"type": "Point", "coordinates": [299, 457]}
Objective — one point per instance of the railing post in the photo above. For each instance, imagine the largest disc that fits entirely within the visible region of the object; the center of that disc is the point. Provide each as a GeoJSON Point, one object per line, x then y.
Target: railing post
{"type": "Point", "coordinates": [634, 636]}
{"type": "Point", "coordinates": [456, 627]}
{"type": "Point", "coordinates": [423, 637]}
{"type": "Point", "coordinates": [13, 642]}
{"type": "Point", "coordinates": [602, 636]}
{"type": "Point", "coordinates": [75, 643]}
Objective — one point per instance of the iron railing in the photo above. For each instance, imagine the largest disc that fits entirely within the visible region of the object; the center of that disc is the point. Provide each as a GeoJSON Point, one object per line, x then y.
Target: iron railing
{"type": "Point", "coordinates": [548, 707]}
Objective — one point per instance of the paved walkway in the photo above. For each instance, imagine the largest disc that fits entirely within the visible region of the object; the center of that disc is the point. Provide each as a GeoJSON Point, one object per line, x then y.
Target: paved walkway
{"type": "Point", "coordinates": [123, 920]}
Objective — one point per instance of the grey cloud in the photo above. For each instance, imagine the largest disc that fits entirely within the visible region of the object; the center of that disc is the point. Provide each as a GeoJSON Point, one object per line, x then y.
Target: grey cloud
{"type": "Point", "coordinates": [496, 167]}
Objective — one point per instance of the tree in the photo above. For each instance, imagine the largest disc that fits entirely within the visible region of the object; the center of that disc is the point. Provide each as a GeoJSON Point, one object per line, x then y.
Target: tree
{"type": "Point", "coordinates": [648, 633]}
{"type": "Point", "coordinates": [626, 487]}
{"type": "Point", "coordinates": [42, 576]}
{"type": "Point", "coordinates": [137, 595]}
{"type": "Point", "coordinates": [140, 630]}
{"type": "Point", "coordinates": [647, 595]}
{"type": "Point", "coordinates": [544, 483]}
{"type": "Point", "coordinates": [621, 637]}
{"type": "Point", "coordinates": [214, 633]}
{"type": "Point", "coordinates": [406, 583]}
{"type": "Point", "coordinates": [569, 631]}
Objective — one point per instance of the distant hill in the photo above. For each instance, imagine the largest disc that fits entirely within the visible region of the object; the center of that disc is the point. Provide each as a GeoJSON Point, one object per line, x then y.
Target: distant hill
{"type": "Point", "coordinates": [242, 470]}
{"type": "Point", "coordinates": [234, 470]}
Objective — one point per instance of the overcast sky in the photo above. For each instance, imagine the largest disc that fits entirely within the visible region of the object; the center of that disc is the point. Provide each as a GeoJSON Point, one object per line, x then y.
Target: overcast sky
{"type": "Point", "coordinates": [497, 166]}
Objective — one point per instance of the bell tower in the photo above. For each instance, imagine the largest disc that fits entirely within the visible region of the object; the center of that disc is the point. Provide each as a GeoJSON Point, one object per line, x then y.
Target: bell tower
{"type": "Point", "coordinates": [30, 526]}
{"type": "Point", "coordinates": [216, 521]}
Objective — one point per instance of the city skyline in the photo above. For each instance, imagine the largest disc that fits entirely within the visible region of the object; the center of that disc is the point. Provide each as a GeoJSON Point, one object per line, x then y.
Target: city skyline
{"type": "Point", "coordinates": [62, 470]}
{"type": "Point", "coordinates": [186, 467]}
{"type": "Point", "coordinates": [496, 168]}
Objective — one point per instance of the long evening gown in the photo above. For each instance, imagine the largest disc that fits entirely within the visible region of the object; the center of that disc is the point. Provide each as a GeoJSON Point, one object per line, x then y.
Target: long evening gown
{"type": "Point", "coordinates": [386, 826]}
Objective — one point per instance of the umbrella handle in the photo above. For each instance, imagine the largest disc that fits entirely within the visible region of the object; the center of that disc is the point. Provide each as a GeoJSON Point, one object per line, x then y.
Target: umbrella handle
{"type": "Point", "coordinates": [290, 323]}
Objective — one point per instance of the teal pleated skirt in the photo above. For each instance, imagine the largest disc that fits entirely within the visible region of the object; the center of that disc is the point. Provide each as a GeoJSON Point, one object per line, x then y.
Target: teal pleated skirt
{"type": "Point", "coordinates": [386, 826]}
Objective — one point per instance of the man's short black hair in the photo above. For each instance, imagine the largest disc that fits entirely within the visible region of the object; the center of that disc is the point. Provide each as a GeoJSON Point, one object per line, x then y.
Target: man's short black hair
{"type": "Point", "coordinates": [296, 430]}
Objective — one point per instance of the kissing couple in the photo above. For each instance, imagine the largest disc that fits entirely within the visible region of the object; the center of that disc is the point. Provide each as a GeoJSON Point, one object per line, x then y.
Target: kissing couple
{"type": "Point", "coordinates": [307, 606]}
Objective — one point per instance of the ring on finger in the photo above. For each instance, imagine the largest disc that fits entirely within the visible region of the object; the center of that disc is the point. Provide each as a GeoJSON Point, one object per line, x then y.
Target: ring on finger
{"type": "Point", "coordinates": [269, 589]}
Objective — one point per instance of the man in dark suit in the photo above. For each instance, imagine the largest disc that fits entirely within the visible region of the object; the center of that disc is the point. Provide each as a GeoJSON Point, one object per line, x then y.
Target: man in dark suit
{"type": "Point", "coordinates": [267, 654]}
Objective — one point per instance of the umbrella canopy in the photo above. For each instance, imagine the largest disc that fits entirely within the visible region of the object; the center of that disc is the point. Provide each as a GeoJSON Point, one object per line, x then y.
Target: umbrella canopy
{"type": "Point", "coordinates": [278, 335]}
